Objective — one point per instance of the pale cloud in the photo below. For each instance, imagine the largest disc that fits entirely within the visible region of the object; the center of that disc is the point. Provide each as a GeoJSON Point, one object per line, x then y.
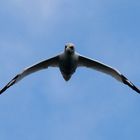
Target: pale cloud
{"type": "Point", "coordinates": [33, 14]}
{"type": "Point", "coordinates": [34, 9]}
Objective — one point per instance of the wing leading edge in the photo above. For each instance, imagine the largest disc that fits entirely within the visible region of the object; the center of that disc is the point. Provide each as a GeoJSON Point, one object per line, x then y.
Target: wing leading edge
{"type": "Point", "coordinates": [96, 65]}
{"type": "Point", "coordinates": [53, 62]}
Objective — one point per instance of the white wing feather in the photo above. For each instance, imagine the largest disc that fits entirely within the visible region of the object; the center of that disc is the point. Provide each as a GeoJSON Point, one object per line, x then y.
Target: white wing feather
{"type": "Point", "coordinates": [53, 62]}
{"type": "Point", "coordinates": [96, 65]}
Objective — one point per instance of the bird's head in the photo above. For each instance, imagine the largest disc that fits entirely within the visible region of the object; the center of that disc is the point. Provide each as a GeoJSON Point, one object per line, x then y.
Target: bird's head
{"type": "Point", "coordinates": [70, 48]}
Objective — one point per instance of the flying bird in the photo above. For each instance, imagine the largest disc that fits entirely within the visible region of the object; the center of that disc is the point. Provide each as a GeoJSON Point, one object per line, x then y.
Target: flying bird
{"type": "Point", "coordinates": [68, 61]}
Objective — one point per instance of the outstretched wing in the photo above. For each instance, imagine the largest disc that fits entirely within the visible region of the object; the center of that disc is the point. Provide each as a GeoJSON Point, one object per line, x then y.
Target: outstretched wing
{"type": "Point", "coordinates": [87, 62]}
{"type": "Point", "coordinates": [53, 62]}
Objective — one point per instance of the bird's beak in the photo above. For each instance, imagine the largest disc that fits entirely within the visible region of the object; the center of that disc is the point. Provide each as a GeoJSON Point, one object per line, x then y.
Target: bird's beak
{"type": "Point", "coordinates": [68, 50]}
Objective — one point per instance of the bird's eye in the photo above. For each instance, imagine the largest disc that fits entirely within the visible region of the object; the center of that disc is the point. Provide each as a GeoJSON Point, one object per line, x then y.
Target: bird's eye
{"type": "Point", "coordinates": [65, 46]}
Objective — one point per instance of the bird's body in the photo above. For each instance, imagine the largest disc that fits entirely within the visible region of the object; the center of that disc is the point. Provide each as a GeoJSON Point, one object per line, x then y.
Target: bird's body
{"type": "Point", "coordinates": [68, 62]}
{"type": "Point", "coordinates": [68, 65]}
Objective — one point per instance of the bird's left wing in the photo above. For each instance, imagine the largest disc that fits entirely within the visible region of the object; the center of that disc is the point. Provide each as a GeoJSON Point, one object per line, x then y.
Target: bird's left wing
{"type": "Point", "coordinates": [96, 65]}
{"type": "Point", "coordinates": [53, 62]}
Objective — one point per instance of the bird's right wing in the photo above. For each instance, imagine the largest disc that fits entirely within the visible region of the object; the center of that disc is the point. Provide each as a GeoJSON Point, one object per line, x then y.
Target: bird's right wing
{"type": "Point", "coordinates": [96, 65]}
{"type": "Point", "coordinates": [52, 62]}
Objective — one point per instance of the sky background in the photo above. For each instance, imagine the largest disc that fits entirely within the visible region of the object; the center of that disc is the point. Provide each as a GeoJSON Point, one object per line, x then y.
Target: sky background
{"type": "Point", "coordinates": [91, 106]}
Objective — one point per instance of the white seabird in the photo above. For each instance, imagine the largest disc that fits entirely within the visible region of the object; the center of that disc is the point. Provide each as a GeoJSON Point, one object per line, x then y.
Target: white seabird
{"type": "Point", "coordinates": [68, 61]}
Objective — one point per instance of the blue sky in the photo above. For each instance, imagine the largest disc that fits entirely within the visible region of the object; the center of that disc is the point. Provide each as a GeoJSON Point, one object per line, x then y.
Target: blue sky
{"type": "Point", "coordinates": [91, 105]}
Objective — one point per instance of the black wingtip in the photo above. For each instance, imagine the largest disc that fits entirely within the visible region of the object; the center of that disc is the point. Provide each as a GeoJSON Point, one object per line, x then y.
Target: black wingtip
{"type": "Point", "coordinates": [1, 91]}
{"type": "Point", "coordinates": [9, 84]}
{"type": "Point", "coordinates": [130, 84]}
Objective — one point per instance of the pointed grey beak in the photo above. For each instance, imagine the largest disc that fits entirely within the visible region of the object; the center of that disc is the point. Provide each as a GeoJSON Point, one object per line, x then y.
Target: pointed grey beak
{"type": "Point", "coordinates": [68, 50]}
